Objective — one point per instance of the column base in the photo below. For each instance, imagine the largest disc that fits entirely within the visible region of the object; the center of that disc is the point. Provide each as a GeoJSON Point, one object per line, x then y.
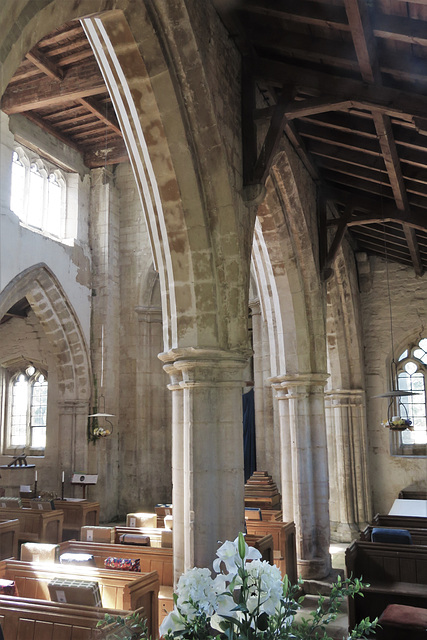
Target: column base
{"type": "Point", "coordinates": [345, 531]}
{"type": "Point", "coordinates": [316, 568]}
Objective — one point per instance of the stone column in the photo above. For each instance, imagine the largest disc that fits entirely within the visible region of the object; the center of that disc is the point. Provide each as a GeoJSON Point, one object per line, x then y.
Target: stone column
{"type": "Point", "coordinates": [266, 434]}
{"type": "Point", "coordinates": [73, 447]}
{"type": "Point", "coordinates": [177, 470]}
{"type": "Point", "coordinates": [350, 503]}
{"type": "Point", "coordinates": [208, 481]}
{"type": "Point", "coordinates": [305, 468]}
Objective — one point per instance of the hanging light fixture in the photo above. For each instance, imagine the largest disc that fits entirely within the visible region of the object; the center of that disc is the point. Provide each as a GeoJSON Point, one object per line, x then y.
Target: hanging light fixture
{"type": "Point", "coordinates": [99, 430]}
{"type": "Point", "coordinates": [397, 411]}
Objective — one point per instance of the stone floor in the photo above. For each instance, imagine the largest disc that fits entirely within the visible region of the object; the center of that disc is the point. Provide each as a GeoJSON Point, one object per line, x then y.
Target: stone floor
{"type": "Point", "coordinates": [337, 630]}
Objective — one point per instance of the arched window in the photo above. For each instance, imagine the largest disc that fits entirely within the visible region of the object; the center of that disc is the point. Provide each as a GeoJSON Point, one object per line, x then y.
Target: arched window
{"type": "Point", "coordinates": [38, 193]}
{"type": "Point", "coordinates": [26, 409]}
{"type": "Point", "coordinates": [412, 376]}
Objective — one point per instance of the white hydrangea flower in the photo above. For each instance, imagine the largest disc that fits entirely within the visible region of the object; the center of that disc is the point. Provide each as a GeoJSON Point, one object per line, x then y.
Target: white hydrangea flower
{"type": "Point", "coordinates": [265, 586]}
{"type": "Point", "coordinates": [196, 593]}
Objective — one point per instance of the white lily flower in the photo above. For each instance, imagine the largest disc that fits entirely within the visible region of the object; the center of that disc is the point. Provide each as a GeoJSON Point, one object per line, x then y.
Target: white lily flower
{"type": "Point", "coordinates": [228, 553]}
{"type": "Point", "coordinates": [173, 622]}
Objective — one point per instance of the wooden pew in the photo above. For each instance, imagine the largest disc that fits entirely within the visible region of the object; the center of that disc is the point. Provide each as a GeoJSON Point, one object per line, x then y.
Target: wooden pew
{"type": "Point", "coordinates": [77, 514]}
{"type": "Point", "coordinates": [284, 543]}
{"type": "Point", "coordinates": [155, 534]}
{"type": "Point", "coordinates": [419, 536]}
{"type": "Point", "coordinates": [264, 544]}
{"type": "Point", "coordinates": [119, 589]}
{"type": "Point", "coordinates": [9, 530]}
{"type": "Point", "coordinates": [35, 525]}
{"type": "Point", "coordinates": [150, 558]}
{"type": "Point", "coordinates": [25, 618]}
{"type": "Point", "coordinates": [399, 522]}
{"type": "Point", "coordinates": [397, 574]}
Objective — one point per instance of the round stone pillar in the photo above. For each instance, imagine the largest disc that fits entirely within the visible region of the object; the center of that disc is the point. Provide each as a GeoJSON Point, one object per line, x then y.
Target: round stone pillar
{"type": "Point", "coordinates": [305, 468]}
{"type": "Point", "coordinates": [207, 445]}
{"type": "Point", "coordinates": [177, 470]}
{"type": "Point", "coordinates": [350, 499]}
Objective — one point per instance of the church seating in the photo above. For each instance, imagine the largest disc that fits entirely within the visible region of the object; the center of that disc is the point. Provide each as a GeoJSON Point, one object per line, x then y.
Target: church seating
{"type": "Point", "coordinates": [400, 522]}
{"type": "Point", "coordinates": [396, 573]}
{"type": "Point", "coordinates": [284, 544]}
{"type": "Point", "coordinates": [390, 535]}
{"type": "Point", "coordinates": [151, 558]}
{"type": "Point", "coordinates": [23, 618]}
{"type": "Point", "coordinates": [399, 621]}
{"type": "Point", "coordinates": [9, 530]}
{"type": "Point", "coordinates": [418, 536]}
{"type": "Point", "coordinates": [35, 525]}
{"type": "Point", "coordinates": [119, 589]}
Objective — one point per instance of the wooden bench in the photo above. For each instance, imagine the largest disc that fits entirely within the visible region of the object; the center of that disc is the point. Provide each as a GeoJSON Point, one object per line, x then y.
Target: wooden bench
{"type": "Point", "coordinates": [284, 543]}
{"type": "Point", "coordinates": [154, 533]}
{"type": "Point", "coordinates": [26, 618]}
{"type": "Point", "coordinates": [9, 530]}
{"type": "Point", "coordinates": [264, 544]}
{"type": "Point", "coordinates": [35, 525]}
{"type": "Point", "coordinates": [397, 574]}
{"type": "Point", "coordinates": [119, 589]}
{"type": "Point", "coordinates": [419, 536]}
{"type": "Point", "coordinates": [400, 522]}
{"type": "Point", "coordinates": [77, 514]}
{"type": "Point", "coordinates": [150, 558]}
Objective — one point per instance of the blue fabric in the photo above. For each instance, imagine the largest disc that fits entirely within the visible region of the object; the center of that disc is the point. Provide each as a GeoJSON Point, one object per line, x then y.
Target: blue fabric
{"type": "Point", "coordinates": [393, 536]}
{"type": "Point", "coordinates": [249, 446]}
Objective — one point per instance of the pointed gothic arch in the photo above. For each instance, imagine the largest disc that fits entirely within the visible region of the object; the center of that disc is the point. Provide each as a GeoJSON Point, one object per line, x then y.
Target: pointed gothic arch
{"type": "Point", "coordinates": [51, 306]}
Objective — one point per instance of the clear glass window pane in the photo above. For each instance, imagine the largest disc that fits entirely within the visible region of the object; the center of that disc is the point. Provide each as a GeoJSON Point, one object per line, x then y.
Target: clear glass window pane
{"type": "Point", "coordinates": [35, 200]}
{"type": "Point", "coordinates": [18, 427]}
{"type": "Point", "coordinates": [17, 187]}
{"type": "Point", "coordinates": [53, 223]}
{"type": "Point", "coordinates": [404, 355]}
{"type": "Point", "coordinates": [38, 437]}
{"type": "Point", "coordinates": [39, 404]}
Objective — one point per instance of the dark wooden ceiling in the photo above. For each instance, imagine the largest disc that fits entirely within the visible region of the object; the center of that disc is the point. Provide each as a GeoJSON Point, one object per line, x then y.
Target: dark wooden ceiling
{"type": "Point", "coordinates": [344, 80]}
{"type": "Point", "coordinates": [59, 87]}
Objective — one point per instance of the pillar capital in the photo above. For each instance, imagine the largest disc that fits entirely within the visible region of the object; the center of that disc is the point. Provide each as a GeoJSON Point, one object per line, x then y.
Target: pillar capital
{"type": "Point", "coordinates": [299, 384]}
{"type": "Point", "coordinates": [345, 397]}
{"type": "Point", "coordinates": [149, 314]}
{"type": "Point", "coordinates": [200, 367]}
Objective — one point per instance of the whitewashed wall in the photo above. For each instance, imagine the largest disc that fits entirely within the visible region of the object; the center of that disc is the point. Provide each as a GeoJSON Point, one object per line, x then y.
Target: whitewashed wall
{"type": "Point", "coordinates": [389, 474]}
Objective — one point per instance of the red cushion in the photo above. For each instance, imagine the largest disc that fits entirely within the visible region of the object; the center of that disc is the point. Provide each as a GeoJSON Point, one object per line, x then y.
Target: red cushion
{"type": "Point", "coordinates": [401, 615]}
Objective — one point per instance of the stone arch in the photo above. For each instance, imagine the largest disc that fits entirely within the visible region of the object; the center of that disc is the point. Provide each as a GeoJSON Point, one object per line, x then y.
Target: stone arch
{"type": "Point", "coordinates": [52, 308]}
{"type": "Point", "coordinates": [153, 69]}
{"type": "Point", "coordinates": [346, 426]}
{"type": "Point", "coordinates": [290, 269]}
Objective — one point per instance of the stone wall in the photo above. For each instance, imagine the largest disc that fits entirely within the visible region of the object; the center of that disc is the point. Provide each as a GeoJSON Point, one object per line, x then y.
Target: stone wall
{"type": "Point", "coordinates": [408, 294]}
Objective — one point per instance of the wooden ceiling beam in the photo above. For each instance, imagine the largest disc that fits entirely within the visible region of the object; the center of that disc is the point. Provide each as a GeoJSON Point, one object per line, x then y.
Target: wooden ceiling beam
{"type": "Point", "coordinates": [388, 100]}
{"type": "Point", "coordinates": [272, 139]}
{"type": "Point", "coordinates": [399, 29]}
{"type": "Point", "coordinates": [363, 38]}
{"type": "Point", "coordinates": [51, 70]}
{"type": "Point", "coordinates": [66, 34]}
{"type": "Point", "coordinates": [301, 150]}
{"type": "Point", "coordinates": [101, 112]}
{"type": "Point", "coordinates": [304, 47]}
{"type": "Point", "coordinates": [80, 82]}
{"type": "Point", "coordinates": [300, 11]}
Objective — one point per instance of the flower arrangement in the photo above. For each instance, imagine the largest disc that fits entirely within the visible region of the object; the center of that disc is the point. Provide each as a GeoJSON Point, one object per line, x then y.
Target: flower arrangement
{"type": "Point", "coordinates": [100, 432]}
{"type": "Point", "coordinates": [248, 600]}
{"type": "Point", "coordinates": [398, 423]}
